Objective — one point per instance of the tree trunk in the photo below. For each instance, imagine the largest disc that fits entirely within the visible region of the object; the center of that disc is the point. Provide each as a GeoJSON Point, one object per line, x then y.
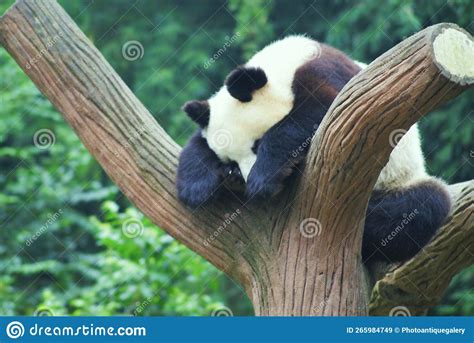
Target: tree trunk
{"type": "Point", "coordinates": [300, 254]}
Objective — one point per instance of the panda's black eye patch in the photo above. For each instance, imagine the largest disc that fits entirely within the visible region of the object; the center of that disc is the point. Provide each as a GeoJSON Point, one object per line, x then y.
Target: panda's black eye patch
{"type": "Point", "coordinates": [241, 82]}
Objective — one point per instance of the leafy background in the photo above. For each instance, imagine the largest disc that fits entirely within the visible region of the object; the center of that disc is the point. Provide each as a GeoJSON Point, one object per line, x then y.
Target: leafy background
{"type": "Point", "coordinates": [82, 263]}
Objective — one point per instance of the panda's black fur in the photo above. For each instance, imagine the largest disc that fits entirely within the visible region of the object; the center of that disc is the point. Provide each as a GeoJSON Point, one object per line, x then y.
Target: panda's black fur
{"type": "Point", "coordinates": [202, 175]}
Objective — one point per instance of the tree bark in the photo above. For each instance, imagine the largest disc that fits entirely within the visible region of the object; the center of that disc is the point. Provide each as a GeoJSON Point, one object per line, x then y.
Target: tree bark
{"type": "Point", "coordinates": [298, 255]}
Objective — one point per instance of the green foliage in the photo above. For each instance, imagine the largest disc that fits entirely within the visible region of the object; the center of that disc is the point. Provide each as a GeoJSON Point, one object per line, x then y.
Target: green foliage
{"type": "Point", "coordinates": [458, 298]}
{"type": "Point", "coordinates": [253, 24]}
{"type": "Point", "coordinates": [62, 246]}
{"type": "Point", "coordinates": [54, 256]}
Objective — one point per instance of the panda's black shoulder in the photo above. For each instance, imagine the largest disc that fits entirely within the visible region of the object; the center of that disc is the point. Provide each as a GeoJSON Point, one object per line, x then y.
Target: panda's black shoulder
{"type": "Point", "coordinates": [324, 75]}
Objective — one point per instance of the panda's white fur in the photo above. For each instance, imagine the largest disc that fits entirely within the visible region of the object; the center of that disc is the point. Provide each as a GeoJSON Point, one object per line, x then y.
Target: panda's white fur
{"type": "Point", "coordinates": [406, 165]}
{"type": "Point", "coordinates": [234, 126]}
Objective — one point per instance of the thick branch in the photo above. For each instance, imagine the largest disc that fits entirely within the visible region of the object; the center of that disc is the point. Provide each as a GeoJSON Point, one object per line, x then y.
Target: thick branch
{"type": "Point", "coordinates": [420, 283]}
{"type": "Point", "coordinates": [283, 271]}
{"type": "Point", "coordinates": [347, 154]}
{"type": "Point", "coordinates": [111, 122]}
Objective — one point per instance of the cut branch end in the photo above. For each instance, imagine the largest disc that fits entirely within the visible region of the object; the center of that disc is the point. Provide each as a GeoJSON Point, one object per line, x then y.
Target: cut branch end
{"type": "Point", "coordinates": [453, 50]}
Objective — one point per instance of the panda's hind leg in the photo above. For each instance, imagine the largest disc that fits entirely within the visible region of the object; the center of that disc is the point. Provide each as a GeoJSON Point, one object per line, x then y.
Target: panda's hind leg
{"type": "Point", "coordinates": [400, 223]}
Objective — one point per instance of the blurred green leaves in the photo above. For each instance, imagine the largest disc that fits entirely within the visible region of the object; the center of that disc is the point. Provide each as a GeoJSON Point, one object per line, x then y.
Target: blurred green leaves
{"type": "Point", "coordinates": [83, 263]}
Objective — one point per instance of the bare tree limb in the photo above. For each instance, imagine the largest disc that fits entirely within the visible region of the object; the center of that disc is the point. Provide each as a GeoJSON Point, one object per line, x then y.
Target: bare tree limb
{"type": "Point", "coordinates": [347, 154]}
{"type": "Point", "coordinates": [283, 271]}
{"type": "Point", "coordinates": [111, 122]}
{"type": "Point", "coordinates": [420, 283]}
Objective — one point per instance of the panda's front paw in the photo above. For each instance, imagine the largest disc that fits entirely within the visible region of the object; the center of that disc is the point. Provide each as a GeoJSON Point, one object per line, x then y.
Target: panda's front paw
{"type": "Point", "coordinates": [261, 187]}
{"type": "Point", "coordinates": [233, 177]}
{"type": "Point", "coordinates": [233, 174]}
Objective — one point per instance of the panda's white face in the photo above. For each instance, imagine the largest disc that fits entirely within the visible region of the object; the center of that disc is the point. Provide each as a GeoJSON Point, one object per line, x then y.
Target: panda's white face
{"type": "Point", "coordinates": [235, 126]}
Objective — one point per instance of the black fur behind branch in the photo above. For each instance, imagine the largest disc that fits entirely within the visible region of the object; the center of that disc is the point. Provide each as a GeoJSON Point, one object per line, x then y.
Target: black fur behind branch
{"type": "Point", "coordinates": [399, 224]}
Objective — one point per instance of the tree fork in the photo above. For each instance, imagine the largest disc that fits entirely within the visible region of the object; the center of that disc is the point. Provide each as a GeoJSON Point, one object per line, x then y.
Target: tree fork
{"type": "Point", "coordinates": [283, 271]}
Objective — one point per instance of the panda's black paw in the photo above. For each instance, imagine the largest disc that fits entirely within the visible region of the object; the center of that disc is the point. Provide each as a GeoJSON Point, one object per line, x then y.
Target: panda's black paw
{"type": "Point", "coordinates": [232, 177]}
{"type": "Point", "coordinates": [262, 188]}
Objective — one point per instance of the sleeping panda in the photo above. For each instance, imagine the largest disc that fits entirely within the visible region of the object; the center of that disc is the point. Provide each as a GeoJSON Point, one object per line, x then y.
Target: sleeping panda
{"type": "Point", "coordinates": [255, 132]}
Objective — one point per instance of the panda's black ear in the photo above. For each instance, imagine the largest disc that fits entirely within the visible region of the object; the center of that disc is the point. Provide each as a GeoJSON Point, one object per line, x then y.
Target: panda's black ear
{"type": "Point", "coordinates": [198, 111]}
{"type": "Point", "coordinates": [241, 82]}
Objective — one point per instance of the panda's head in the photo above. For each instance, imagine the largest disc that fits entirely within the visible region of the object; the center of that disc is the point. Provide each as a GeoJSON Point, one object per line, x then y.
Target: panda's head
{"type": "Point", "coordinates": [254, 98]}
{"type": "Point", "coordinates": [239, 114]}
{"type": "Point", "coordinates": [239, 85]}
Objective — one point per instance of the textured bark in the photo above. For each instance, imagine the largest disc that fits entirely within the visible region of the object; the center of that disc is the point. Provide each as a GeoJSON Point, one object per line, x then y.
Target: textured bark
{"type": "Point", "coordinates": [300, 254]}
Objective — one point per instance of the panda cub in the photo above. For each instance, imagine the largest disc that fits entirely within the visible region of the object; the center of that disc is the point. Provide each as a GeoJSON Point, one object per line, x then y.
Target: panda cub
{"type": "Point", "coordinates": [270, 108]}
